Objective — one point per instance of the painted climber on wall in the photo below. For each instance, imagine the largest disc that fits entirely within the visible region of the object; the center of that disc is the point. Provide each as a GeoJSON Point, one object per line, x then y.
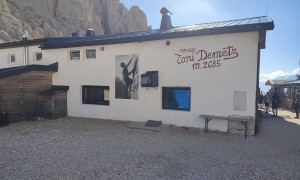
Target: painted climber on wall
{"type": "Point", "coordinates": [128, 81]}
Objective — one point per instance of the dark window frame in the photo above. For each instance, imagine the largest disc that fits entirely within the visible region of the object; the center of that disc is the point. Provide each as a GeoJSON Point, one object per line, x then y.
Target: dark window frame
{"type": "Point", "coordinates": [11, 58]}
{"type": "Point", "coordinates": [164, 107]}
{"type": "Point", "coordinates": [87, 55]}
{"type": "Point", "coordinates": [38, 56]}
{"type": "Point", "coordinates": [72, 57]}
{"type": "Point", "coordinates": [90, 95]}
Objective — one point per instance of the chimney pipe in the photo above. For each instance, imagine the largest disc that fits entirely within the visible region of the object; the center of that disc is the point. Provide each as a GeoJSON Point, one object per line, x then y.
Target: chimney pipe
{"type": "Point", "coordinates": [90, 33]}
{"type": "Point", "coordinates": [166, 22]}
{"type": "Point", "coordinates": [75, 33]}
{"type": "Point", "coordinates": [25, 34]}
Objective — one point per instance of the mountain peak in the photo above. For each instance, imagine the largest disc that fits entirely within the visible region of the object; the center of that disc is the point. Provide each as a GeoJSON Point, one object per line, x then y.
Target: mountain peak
{"type": "Point", "coordinates": [56, 18]}
{"type": "Point", "coordinates": [287, 77]}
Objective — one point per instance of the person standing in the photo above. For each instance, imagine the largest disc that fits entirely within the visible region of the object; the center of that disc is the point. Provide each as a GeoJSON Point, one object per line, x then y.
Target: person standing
{"type": "Point", "coordinates": [260, 100]}
{"type": "Point", "coordinates": [267, 99]}
{"type": "Point", "coordinates": [297, 103]}
{"type": "Point", "coordinates": [275, 103]}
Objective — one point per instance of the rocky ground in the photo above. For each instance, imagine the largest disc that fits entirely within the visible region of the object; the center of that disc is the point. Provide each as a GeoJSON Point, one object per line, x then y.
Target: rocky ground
{"type": "Point", "coordinates": [77, 148]}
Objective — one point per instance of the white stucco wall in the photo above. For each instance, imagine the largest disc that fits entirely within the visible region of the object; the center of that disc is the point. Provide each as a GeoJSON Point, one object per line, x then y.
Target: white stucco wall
{"type": "Point", "coordinates": [18, 52]}
{"type": "Point", "coordinates": [212, 89]}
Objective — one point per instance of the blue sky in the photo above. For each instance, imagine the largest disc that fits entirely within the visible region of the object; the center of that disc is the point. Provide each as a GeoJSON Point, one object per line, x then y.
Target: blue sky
{"type": "Point", "coordinates": [282, 54]}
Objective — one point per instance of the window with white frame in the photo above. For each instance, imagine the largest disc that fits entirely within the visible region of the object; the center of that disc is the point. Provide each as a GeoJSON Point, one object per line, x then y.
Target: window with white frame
{"type": "Point", "coordinates": [91, 54]}
{"type": "Point", "coordinates": [11, 58]}
{"type": "Point", "coordinates": [38, 56]}
{"type": "Point", "coordinates": [75, 55]}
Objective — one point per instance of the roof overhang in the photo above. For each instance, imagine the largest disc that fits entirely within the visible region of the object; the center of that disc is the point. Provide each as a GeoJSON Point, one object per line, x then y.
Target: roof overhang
{"type": "Point", "coordinates": [262, 39]}
{"type": "Point", "coordinates": [7, 72]}
{"type": "Point", "coordinates": [293, 84]}
{"type": "Point", "coordinates": [282, 82]}
{"type": "Point", "coordinates": [260, 24]}
{"type": "Point", "coordinates": [54, 90]}
{"type": "Point", "coordinates": [23, 43]}
{"type": "Point", "coordinates": [269, 83]}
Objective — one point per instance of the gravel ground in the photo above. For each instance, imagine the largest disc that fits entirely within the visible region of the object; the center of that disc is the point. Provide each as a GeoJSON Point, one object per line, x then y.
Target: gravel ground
{"type": "Point", "coordinates": [77, 148]}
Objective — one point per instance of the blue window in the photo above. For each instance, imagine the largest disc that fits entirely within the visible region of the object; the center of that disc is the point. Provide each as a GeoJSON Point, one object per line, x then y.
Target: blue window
{"type": "Point", "coordinates": [176, 98]}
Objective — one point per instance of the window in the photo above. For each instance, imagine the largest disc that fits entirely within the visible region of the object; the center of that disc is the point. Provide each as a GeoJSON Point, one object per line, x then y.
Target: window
{"type": "Point", "coordinates": [38, 56]}
{"type": "Point", "coordinates": [75, 55]}
{"type": "Point", "coordinates": [95, 95]}
{"type": "Point", "coordinates": [286, 92]}
{"type": "Point", "coordinates": [91, 54]}
{"type": "Point", "coordinates": [176, 98]}
{"type": "Point", "coordinates": [11, 58]}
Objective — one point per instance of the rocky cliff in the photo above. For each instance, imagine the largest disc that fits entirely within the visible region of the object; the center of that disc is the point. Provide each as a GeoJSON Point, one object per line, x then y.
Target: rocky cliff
{"type": "Point", "coordinates": [53, 18]}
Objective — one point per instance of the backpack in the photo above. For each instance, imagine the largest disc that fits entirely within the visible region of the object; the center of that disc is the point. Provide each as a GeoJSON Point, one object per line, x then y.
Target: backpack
{"type": "Point", "coordinates": [278, 100]}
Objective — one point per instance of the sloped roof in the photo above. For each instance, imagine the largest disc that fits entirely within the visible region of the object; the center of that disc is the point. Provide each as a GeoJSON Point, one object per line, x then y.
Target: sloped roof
{"type": "Point", "coordinates": [292, 83]}
{"type": "Point", "coordinates": [277, 82]}
{"type": "Point", "coordinates": [260, 24]}
{"type": "Point", "coordinates": [54, 90]}
{"type": "Point", "coordinates": [7, 72]}
{"type": "Point", "coordinates": [21, 43]}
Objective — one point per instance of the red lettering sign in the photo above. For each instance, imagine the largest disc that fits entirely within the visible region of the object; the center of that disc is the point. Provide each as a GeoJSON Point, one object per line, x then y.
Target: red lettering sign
{"type": "Point", "coordinates": [205, 59]}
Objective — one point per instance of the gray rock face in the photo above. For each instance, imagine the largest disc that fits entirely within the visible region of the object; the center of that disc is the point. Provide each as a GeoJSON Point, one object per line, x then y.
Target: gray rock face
{"type": "Point", "coordinates": [53, 18]}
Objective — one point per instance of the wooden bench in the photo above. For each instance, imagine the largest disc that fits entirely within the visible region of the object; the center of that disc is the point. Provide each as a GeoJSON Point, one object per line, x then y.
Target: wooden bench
{"type": "Point", "coordinates": [243, 119]}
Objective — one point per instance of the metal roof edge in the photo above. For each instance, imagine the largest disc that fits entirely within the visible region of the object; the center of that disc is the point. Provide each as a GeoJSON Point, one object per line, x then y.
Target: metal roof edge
{"type": "Point", "coordinates": [162, 36]}
{"type": "Point", "coordinates": [54, 90]}
{"type": "Point", "coordinates": [264, 23]}
{"type": "Point", "coordinates": [7, 72]}
{"type": "Point", "coordinates": [22, 43]}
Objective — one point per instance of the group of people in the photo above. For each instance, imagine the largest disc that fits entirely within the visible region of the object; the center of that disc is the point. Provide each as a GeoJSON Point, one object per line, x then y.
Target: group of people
{"type": "Point", "coordinates": [267, 100]}
{"type": "Point", "coordinates": [274, 100]}
{"type": "Point", "coordinates": [297, 103]}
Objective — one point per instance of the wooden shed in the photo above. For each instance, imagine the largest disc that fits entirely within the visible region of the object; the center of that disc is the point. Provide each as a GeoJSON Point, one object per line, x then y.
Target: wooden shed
{"type": "Point", "coordinates": [19, 87]}
{"type": "Point", "coordinates": [52, 103]}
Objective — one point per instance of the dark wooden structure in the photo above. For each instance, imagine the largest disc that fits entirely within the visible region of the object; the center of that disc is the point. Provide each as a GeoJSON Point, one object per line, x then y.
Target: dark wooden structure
{"type": "Point", "coordinates": [286, 90]}
{"type": "Point", "coordinates": [19, 87]}
{"type": "Point", "coordinates": [52, 103]}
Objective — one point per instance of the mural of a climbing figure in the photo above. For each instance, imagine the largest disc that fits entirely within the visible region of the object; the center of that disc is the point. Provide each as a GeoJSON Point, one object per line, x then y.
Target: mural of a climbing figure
{"type": "Point", "coordinates": [127, 77]}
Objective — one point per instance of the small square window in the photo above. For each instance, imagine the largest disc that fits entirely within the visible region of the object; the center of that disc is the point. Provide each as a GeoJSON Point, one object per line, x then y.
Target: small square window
{"type": "Point", "coordinates": [91, 54]}
{"type": "Point", "coordinates": [38, 56]}
{"type": "Point", "coordinates": [98, 95]}
{"type": "Point", "coordinates": [11, 58]}
{"type": "Point", "coordinates": [176, 98]}
{"type": "Point", "coordinates": [75, 55]}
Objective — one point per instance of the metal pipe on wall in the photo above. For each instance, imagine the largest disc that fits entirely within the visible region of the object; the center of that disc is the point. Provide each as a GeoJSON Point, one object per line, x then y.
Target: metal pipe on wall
{"type": "Point", "coordinates": [26, 56]}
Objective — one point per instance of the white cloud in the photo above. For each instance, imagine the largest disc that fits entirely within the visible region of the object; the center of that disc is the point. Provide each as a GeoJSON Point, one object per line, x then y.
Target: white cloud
{"type": "Point", "coordinates": [276, 74]}
{"type": "Point", "coordinates": [296, 71]}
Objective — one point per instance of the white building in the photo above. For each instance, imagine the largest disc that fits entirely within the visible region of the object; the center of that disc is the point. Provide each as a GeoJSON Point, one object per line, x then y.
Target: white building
{"type": "Point", "coordinates": [208, 68]}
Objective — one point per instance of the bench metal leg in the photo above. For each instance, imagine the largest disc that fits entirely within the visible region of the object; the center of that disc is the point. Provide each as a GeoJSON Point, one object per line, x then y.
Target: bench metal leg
{"type": "Point", "coordinates": [206, 124]}
{"type": "Point", "coordinates": [246, 128]}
